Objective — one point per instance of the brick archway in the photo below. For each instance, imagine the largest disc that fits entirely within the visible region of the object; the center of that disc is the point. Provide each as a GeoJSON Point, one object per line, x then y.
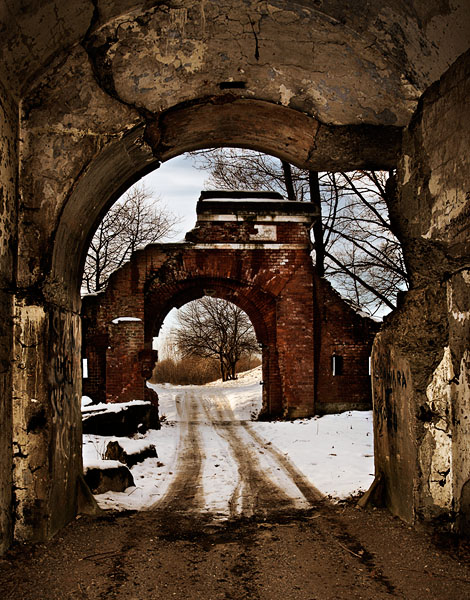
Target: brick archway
{"type": "Point", "coordinates": [259, 305]}
{"type": "Point", "coordinates": [254, 252]}
{"type": "Point", "coordinates": [166, 298]}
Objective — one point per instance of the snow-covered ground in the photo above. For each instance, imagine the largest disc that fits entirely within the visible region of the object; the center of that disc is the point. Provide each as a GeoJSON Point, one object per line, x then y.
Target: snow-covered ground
{"type": "Point", "coordinates": [334, 452]}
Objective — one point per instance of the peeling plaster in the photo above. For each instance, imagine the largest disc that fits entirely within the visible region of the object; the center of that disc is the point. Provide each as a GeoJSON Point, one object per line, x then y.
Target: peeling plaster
{"type": "Point", "coordinates": [436, 448]}
{"type": "Point", "coordinates": [449, 205]}
{"type": "Point", "coordinates": [406, 163]}
{"type": "Point", "coordinates": [286, 95]}
{"type": "Point", "coordinates": [460, 316]}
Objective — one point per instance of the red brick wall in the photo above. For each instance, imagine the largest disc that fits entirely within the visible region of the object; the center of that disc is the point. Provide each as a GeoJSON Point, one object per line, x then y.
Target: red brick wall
{"type": "Point", "coordinates": [298, 317]}
{"type": "Point", "coordinates": [342, 332]}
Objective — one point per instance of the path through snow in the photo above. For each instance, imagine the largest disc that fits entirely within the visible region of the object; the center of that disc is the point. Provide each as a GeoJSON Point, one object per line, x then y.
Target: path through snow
{"type": "Point", "coordinates": [213, 460]}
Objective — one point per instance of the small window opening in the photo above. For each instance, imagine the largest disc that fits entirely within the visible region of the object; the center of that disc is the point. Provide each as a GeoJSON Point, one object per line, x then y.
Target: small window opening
{"type": "Point", "coordinates": [337, 365]}
{"type": "Point", "coordinates": [85, 368]}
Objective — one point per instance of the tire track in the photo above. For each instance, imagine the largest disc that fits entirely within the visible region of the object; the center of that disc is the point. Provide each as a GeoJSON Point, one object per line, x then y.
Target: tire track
{"type": "Point", "coordinates": [308, 490]}
{"type": "Point", "coordinates": [254, 493]}
{"type": "Point", "coordinates": [257, 493]}
{"type": "Point", "coordinates": [184, 493]}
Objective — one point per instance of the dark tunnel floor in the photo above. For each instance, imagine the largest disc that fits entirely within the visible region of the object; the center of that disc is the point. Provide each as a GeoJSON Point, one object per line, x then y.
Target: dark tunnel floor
{"type": "Point", "coordinates": [328, 552]}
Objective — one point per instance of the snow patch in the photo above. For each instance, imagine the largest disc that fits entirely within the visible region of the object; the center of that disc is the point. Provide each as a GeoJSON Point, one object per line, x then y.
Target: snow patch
{"type": "Point", "coordinates": [102, 465]}
{"type": "Point", "coordinates": [126, 320]}
{"type": "Point", "coordinates": [112, 407]}
{"type": "Point", "coordinates": [334, 452]}
{"type": "Point", "coordinates": [86, 401]}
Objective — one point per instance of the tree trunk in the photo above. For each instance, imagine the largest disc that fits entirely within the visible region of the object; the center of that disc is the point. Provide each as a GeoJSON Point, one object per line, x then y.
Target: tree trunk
{"type": "Point", "coordinates": [233, 373]}
{"type": "Point", "coordinates": [319, 245]}
{"type": "Point", "coordinates": [288, 180]}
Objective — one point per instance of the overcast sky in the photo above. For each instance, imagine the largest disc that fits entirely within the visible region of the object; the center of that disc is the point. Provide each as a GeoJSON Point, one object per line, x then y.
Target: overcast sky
{"type": "Point", "coordinates": [179, 185]}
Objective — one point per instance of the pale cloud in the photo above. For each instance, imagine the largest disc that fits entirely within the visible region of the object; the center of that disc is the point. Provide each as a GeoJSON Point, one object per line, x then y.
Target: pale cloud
{"type": "Point", "coordinates": [178, 183]}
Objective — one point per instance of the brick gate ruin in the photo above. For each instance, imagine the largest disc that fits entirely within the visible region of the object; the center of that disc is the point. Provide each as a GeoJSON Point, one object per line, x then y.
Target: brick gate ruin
{"type": "Point", "coordinates": [252, 249]}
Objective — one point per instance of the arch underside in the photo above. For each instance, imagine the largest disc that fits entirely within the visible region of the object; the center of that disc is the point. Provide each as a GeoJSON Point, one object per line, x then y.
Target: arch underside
{"type": "Point", "coordinates": [114, 92]}
{"type": "Point", "coordinates": [257, 304]}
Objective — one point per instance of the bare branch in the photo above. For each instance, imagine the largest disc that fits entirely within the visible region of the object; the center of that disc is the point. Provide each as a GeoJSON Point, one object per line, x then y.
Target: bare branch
{"type": "Point", "coordinates": [133, 222]}
{"type": "Point", "coordinates": [215, 328]}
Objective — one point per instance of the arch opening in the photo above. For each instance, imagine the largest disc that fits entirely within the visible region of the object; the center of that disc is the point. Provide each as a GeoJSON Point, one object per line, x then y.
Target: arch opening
{"type": "Point", "coordinates": [123, 161]}
{"type": "Point", "coordinates": [140, 151]}
{"type": "Point", "coordinates": [68, 174]}
{"type": "Point", "coordinates": [205, 340]}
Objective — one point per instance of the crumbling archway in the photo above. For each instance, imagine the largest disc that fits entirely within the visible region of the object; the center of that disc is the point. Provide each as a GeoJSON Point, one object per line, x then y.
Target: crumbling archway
{"type": "Point", "coordinates": [253, 249]}
{"type": "Point", "coordinates": [95, 94]}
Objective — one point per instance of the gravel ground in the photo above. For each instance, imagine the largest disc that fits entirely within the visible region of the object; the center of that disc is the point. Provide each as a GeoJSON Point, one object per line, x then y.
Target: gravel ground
{"type": "Point", "coordinates": [327, 552]}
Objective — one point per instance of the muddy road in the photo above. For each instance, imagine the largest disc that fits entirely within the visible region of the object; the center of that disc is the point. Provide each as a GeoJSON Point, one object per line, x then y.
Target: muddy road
{"type": "Point", "coordinates": [270, 536]}
{"type": "Point", "coordinates": [325, 553]}
{"type": "Point", "coordinates": [262, 480]}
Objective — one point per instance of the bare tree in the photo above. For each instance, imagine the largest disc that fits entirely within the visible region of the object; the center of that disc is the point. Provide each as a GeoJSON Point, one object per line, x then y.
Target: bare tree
{"type": "Point", "coordinates": [215, 328]}
{"type": "Point", "coordinates": [363, 256]}
{"type": "Point", "coordinates": [354, 244]}
{"type": "Point", "coordinates": [131, 223]}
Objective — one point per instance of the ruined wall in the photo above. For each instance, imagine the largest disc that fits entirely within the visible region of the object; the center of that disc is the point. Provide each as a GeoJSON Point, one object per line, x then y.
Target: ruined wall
{"type": "Point", "coordinates": [318, 85]}
{"type": "Point", "coordinates": [345, 334]}
{"type": "Point", "coordinates": [421, 358]}
{"type": "Point", "coordinates": [8, 237]}
{"type": "Point", "coordinates": [259, 259]}
{"type": "Point", "coordinates": [46, 419]}
{"type": "Point", "coordinates": [254, 259]}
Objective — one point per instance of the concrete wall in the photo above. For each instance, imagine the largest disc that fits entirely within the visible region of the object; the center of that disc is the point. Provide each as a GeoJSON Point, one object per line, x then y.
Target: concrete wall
{"type": "Point", "coordinates": [46, 419]}
{"type": "Point", "coordinates": [422, 356]}
{"type": "Point", "coordinates": [106, 89]}
{"type": "Point", "coordinates": [8, 233]}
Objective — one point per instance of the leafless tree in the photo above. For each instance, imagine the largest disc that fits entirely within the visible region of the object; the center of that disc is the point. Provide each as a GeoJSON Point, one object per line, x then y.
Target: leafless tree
{"type": "Point", "coordinates": [362, 255]}
{"type": "Point", "coordinates": [214, 328]}
{"type": "Point", "coordinates": [133, 222]}
{"type": "Point", "coordinates": [354, 244]}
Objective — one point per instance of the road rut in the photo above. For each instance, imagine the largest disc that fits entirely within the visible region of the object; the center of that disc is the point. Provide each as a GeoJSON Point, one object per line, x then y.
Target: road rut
{"type": "Point", "coordinates": [264, 481]}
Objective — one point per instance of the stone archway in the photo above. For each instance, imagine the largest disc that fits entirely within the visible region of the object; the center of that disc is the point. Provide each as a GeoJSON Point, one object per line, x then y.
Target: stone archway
{"type": "Point", "coordinates": [94, 94]}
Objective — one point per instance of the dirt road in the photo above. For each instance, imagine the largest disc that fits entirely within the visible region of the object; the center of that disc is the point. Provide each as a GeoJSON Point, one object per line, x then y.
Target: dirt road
{"type": "Point", "coordinates": [272, 537]}
{"type": "Point", "coordinates": [262, 480]}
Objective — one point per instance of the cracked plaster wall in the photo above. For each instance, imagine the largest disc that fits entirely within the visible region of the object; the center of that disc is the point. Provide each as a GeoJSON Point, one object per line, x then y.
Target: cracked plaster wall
{"type": "Point", "coordinates": [8, 182]}
{"type": "Point", "coordinates": [90, 75]}
{"type": "Point", "coordinates": [284, 53]}
{"type": "Point", "coordinates": [132, 62]}
{"type": "Point", "coordinates": [46, 420]}
{"type": "Point", "coordinates": [399, 46]}
{"type": "Point", "coordinates": [430, 332]}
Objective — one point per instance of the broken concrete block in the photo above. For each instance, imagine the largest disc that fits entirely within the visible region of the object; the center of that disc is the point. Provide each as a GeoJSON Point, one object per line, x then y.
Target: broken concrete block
{"type": "Point", "coordinates": [114, 451]}
{"type": "Point", "coordinates": [120, 420]}
{"type": "Point", "coordinates": [108, 476]}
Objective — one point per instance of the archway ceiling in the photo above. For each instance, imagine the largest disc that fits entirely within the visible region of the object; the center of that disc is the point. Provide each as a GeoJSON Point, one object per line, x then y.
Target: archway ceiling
{"type": "Point", "coordinates": [345, 66]}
